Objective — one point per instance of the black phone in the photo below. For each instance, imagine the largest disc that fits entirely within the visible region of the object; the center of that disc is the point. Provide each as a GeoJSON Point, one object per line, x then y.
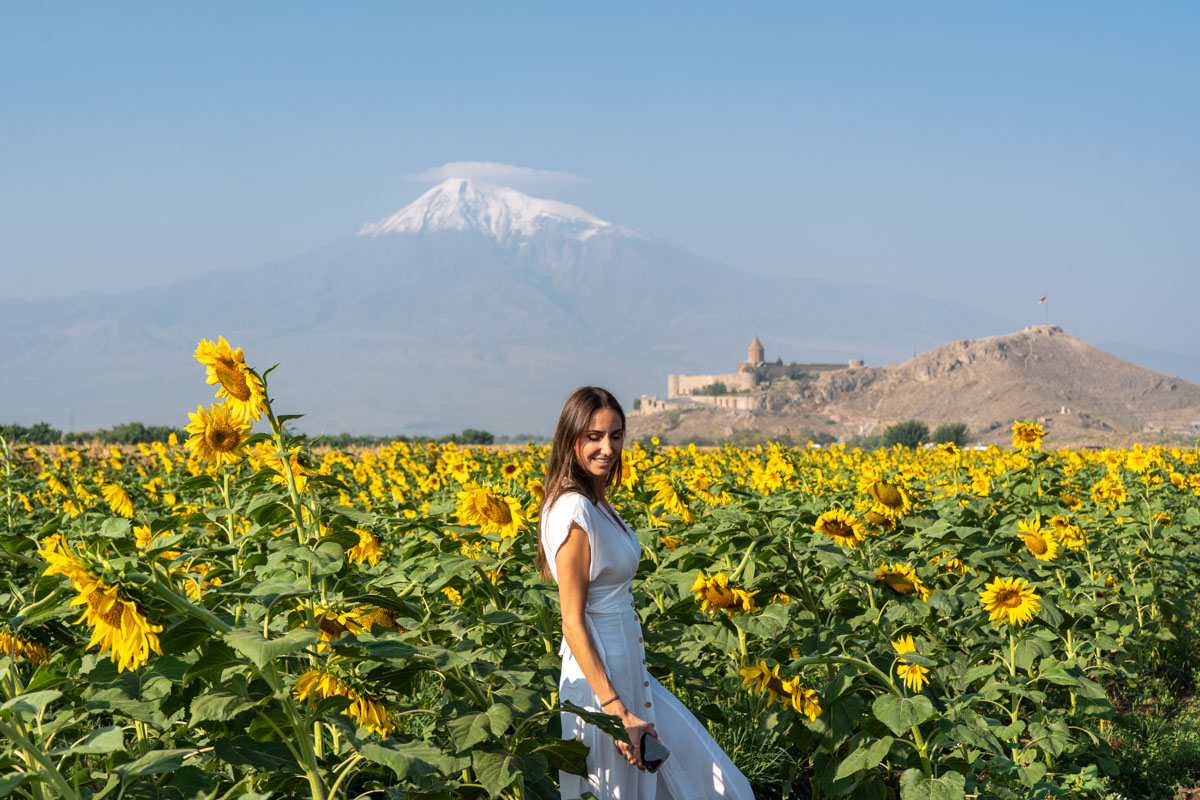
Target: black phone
{"type": "Point", "coordinates": [653, 753]}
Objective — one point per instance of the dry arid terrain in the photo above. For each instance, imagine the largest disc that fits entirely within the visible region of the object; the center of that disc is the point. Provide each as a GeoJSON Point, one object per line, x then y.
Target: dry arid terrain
{"type": "Point", "coordinates": [1079, 393]}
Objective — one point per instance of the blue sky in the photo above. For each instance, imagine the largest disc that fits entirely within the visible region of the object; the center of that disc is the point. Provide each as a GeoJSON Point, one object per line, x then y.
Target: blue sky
{"type": "Point", "coordinates": [986, 153]}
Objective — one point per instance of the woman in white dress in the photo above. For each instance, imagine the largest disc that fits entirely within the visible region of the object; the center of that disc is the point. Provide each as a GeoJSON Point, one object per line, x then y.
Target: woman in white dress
{"type": "Point", "coordinates": [593, 557]}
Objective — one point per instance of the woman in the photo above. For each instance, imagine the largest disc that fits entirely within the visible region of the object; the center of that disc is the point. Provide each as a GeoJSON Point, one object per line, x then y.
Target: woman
{"type": "Point", "coordinates": [593, 556]}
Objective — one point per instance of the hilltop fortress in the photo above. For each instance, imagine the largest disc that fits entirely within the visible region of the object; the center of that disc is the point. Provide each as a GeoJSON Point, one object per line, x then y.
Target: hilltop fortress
{"type": "Point", "coordinates": [743, 389]}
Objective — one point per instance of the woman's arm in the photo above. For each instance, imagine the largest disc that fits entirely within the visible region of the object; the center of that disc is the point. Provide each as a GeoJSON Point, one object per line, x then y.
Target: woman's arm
{"type": "Point", "coordinates": [574, 560]}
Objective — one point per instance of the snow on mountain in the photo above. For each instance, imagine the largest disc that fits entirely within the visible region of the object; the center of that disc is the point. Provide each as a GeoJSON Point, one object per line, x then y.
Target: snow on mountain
{"type": "Point", "coordinates": [460, 204]}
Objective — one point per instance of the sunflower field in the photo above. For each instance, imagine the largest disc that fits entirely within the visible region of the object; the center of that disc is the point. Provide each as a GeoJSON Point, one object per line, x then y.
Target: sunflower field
{"type": "Point", "coordinates": [252, 615]}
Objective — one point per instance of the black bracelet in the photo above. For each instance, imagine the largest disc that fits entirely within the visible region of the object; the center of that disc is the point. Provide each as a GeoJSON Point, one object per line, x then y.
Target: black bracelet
{"type": "Point", "coordinates": [615, 697]}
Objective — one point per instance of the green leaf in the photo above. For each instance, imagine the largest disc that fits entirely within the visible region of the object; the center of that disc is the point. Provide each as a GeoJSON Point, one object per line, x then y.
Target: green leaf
{"type": "Point", "coordinates": [915, 785]}
{"type": "Point", "coordinates": [468, 730]}
{"type": "Point", "coordinates": [12, 781]}
{"type": "Point", "coordinates": [980, 671]}
{"type": "Point", "coordinates": [496, 771]}
{"type": "Point", "coordinates": [263, 651]}
{"type": "Point", "coordinates": [501, 717]}
{"type": "Point", "coordinates": [244, 751]}
{"type": "Point", "coordinates": [404, 758]}
{"type": "Point", "coordinates": [1192, 516]}
{"type": "Point", "coordinates": [218, 706]}
{"type": "Point", "coordinates": [568, 755]}
{"type": "Point", "coordinates": [31, 703]}
{"type": "Point", "coordinates": [867, 756]}
{"type": "Point", "coordinates": [155, 762]}
{"type": "Point", "coordinates": [902, 713]}
{"type": "Point", "coordinates": [99, 742]}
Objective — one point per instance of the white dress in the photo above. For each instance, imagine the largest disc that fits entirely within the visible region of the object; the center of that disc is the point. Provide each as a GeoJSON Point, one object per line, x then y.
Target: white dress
{"type": "Point", "coordinates": [697, 768]}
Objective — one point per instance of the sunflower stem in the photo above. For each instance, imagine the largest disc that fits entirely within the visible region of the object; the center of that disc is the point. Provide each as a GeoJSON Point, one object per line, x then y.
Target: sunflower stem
{"type": "Point", "coordinates": [34, 754]}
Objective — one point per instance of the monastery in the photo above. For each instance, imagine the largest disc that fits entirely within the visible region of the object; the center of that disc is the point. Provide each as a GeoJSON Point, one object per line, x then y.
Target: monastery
{"type": "Point", "coordinates": [739, 390]}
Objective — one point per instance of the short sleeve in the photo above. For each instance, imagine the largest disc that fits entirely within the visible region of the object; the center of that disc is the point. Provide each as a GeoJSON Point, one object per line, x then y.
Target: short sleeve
{"type": "Point", "coordinates": [556, 524]}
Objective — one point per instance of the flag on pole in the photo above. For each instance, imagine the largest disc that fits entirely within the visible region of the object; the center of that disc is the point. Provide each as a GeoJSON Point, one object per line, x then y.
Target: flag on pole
{"type": "Point", "coordinates": [1042, 300]}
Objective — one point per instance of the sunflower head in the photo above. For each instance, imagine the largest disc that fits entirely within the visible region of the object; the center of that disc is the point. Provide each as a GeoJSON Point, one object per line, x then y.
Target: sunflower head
{"type": "Point", "coordinates": [238, 384]}
{"type": "Point", "coordinates": [216, 435]}
{"type": "Point", "coordinates": [1027, 436]}
{"type": "Point", "coordinates": [902, 579]}
{"type": "Point", "coordinates": [1040, 541]}
{"type": "Point", "coordinates": [841, 526]}
{"type": "Point", "coordinates": [1010, 600]}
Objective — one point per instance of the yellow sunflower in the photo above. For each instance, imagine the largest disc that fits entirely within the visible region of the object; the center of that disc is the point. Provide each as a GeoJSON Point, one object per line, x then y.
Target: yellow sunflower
{"type": "Point", "coordinates": [383, 617]}
{"type": "Point", "coordinates": [892, 496]}
{"type": "Point", "coordinates": [1040, 541]}
{"type": "Point", "coordinates": [117, 499]}
{"type": "Point", "coordinates": [667, 495]}
{"type": "Point", "coordinates": [367, 548]}
{"type": "Point", "coordinates": [16, 647]}
{"type": "Point", "coordinates": [238, 384]}
{"type": "Point", "coordinates": [1069, 534]}
{"type": "Point", "coordinates": [491, 511]}
{"type": "Point", "coordinates": [216, 435]}
{"type": "Point", "coordinates": [903, 580]}
{"type": "Point", "coordinates": [1027, 436]}
{"type": "Point", "coordinates": [370, 713]}
{"type": "Point", "coordinates": [717, 593]}
{"type": "Point", "coordinates": [914, 675]}
{"type": "Point", "coordinates": [760, 678]}
{"type": "Point", "coordinates": [118, 627]}
{"type": "Point", "coordinates": [841, 526]}
{"type": "Point", "coordinates": [1010, 600]}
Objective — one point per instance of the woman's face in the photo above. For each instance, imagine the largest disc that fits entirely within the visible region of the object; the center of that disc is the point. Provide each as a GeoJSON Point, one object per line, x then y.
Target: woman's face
{"type": "Point", "coordinates": [598, 448]}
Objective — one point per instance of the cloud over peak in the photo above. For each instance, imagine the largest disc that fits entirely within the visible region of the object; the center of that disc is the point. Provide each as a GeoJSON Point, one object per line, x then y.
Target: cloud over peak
{"type": "Point", "coordinates": [498, 174]}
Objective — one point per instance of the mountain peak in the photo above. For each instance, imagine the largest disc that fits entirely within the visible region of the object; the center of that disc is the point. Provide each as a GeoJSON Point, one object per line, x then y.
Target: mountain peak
{"type": "Point", "coordinates": [461, 204]}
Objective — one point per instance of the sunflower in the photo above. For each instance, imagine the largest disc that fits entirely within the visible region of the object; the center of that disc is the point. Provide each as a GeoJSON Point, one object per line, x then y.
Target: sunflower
{"type": "Point", "coordinates": [1040, 541]}
{"type": "Point", "coordinates": [669, 542]}
{"type": "Point", "coordinates": [914, 675]}
{"type": "Point", "coordinates": [239, 385]}
{"type": "Point", "coordinates": [117, 499]}
{"type": "Point", "coordinates": [117, 625]}
{"type": "Point", "coordinates": [841, 526]}
{"type": "Point", "coordinates": [1027, 436]}
{"type": "Point", "coordinates": [367, 548]}
{"type": "Point", "coordinates": [383, 617]}
{"type": "Point", "coordinates": [1069, 534]}
{"type": "Point", "coordinates": [667, 495]}
{"type": "Point", "coordinates": [760, 678]}
{"type": "Point", "coordinates": [16, 647]}
{"type": "Point", "coordinates": [1010, 600]}
{"type": "Point", "coordinates": [331, 625]}
{"type": "Point", "coordinates": [370, 713]}
{"type": "Point", "coordinates": [717, 593]}
{"type": "Point", "coordinates": [903, 580]}
{"type": "Point", "coordinates": [62, 561]}
{"type": "Point", "coordinates": [216, 435]}
{"type": "Point", "coordinates": [491, 511]}
{"type": "Point", "coordinates": [892, 496]}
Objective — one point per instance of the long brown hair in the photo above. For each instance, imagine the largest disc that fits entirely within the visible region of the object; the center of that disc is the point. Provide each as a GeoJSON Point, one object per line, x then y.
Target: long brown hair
{"type": "Point", "coordinates": [564, 473]}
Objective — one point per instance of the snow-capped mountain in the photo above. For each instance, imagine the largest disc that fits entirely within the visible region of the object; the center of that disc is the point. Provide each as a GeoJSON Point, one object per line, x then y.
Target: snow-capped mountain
{"type": "Point", "coordinates": [474, 306]}
{"type": "Point", "coordinates": [506, 215]}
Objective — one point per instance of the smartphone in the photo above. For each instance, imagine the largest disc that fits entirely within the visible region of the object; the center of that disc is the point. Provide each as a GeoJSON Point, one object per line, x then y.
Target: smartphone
{"type": "Point", "coordinates": [653, 753]}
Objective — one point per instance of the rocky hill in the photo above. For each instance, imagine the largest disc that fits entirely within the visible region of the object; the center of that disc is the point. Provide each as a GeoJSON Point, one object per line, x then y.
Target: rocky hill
{"type": "Point", "coordinates": [1081, 394]}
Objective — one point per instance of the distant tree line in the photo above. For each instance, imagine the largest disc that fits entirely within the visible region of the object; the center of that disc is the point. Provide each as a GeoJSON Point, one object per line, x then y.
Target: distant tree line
{"type": "Point", "coordinates": [129, 433]}
{"type": "Point", "coordinates": [140, 433]}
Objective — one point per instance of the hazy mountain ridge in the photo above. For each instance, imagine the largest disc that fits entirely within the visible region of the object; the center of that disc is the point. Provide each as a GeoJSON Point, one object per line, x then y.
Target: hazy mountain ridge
{"type": "Point", "coordinates": [441, 328]}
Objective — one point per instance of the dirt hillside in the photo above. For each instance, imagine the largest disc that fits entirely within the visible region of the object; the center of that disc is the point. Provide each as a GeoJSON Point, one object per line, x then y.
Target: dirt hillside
{"type": "Point", "coordinates": [1081, 394]}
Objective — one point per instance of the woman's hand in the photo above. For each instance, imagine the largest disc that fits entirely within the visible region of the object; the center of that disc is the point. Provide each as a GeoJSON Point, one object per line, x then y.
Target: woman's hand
{"type": "Point", "coordinates": [631, 751]}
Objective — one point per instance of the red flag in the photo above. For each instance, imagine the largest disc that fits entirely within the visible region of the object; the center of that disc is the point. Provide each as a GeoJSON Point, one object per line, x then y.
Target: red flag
{"type": "Point", "coordinates": [1042, 300]}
